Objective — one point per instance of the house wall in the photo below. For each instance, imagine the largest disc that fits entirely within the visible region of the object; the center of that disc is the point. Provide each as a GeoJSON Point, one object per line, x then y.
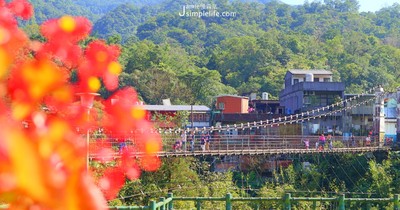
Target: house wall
{"type": "Point", "coordinates": [390, 129]}
{"type": "Point", "coordinates": [302, 93]}
{"type": "Point", "coordinates": [233, 104]}
{"type": "Point", "coordinates": [292, 96]}
{"type": "Point", "coordinates": [291, 79]}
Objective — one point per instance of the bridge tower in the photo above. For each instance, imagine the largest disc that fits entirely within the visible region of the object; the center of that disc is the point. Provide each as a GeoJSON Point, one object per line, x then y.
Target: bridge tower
{"type": "Point", "coordinates": [379, 115]}
{"type": "Point", "coordinates": [398, 116]}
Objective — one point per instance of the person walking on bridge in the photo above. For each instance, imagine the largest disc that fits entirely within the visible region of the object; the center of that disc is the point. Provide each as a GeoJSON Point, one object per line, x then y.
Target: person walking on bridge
{"type": "Point", "coordinates": [306, 143]}
{"type": "Point", "coordinates": [368, 141]}
{"type": "Point", "coordinates": [330, 141]}
{"type": "Point", "coordinates": [207, 141]}
{"type": "Point", "coordinates": [203, 142]}
{"type": "Point", "coordinates": [183, 140]}
{"type": "Point", "coordinates": [322, 141]}
{"type": "Point", "coordinates": [191, 141]}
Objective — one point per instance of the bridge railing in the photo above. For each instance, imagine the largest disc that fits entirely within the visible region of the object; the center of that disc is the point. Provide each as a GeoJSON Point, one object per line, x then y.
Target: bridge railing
{"type": "Point", "coordinates": [286, 202]}
{"type": "Point", "coordinates": [236, 143]}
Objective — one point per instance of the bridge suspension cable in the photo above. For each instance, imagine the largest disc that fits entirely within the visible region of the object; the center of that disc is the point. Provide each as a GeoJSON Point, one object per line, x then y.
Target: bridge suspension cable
{"type": "Point", "coordinates": [290, 119]}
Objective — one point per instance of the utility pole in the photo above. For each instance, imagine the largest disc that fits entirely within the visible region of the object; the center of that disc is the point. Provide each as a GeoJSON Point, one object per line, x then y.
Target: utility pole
{"type": "Point", "coordinates": [191, 116]}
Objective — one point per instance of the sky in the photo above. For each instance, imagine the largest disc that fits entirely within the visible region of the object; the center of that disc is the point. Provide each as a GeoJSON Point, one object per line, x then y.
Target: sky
{"type": "Point", "coordinates": [365, 5]}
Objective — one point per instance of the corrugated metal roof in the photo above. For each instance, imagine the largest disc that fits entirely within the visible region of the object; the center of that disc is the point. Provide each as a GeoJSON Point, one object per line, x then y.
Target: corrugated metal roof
{"type": "Point", "coordinates": [198, 108]}
{"type": "Point", "coordinates": [313, 71]}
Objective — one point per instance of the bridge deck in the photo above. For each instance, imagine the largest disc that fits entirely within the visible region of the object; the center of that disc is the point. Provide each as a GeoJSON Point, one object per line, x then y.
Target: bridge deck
{"type": "Point", "coordinates": [243, 145]}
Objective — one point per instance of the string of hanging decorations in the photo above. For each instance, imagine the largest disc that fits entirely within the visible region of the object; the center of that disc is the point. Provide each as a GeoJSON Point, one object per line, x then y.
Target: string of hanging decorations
{"type": "Point", "coordinates": [328, 110]}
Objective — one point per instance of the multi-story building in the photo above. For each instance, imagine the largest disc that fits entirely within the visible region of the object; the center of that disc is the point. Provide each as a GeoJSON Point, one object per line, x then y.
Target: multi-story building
{"type": "Point", "coordinates": [359, 120]}
{"type": "Point", "coordinates": [306, 90]}
{"type": "Point", "coordinates": [390, 117]}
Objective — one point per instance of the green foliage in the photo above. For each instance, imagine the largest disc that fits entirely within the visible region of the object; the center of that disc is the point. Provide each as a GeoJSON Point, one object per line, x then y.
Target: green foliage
{"type": "Point", "coordinates": [179, 120]}
{"type": "Point", "coordinates": [44, 10]}
{"type": "Point", "coordinates": [123, 20]}
{"type": "Point", "coordinates": [166, 71]}
{"type": "Point", "coordinates": [250, 52]}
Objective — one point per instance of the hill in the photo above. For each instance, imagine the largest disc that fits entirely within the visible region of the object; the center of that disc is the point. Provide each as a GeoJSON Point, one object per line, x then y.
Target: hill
{"type": "Point", "coordinates": [44, 10]}
{"type": "Point", "coordinates": [191, 58]}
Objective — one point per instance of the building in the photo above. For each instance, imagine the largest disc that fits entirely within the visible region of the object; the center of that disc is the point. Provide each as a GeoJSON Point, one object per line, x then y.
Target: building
{"type": "Point", "coordinates": [232, 104]}
{"type": "Point", "coordinates": [306, 90]}
{"type": "Point", "coordinates": [359, 120]}
{"type": "Point", "coordinates": [232, 110]}
{"type": "Point", "coordinates": [199, 115]}
{"type": "Point", "coordinates": [390, 117]}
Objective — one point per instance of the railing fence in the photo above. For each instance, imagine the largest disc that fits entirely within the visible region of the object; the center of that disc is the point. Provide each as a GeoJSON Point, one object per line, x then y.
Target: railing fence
{"type": "Point", "coordinates": [286, 201]}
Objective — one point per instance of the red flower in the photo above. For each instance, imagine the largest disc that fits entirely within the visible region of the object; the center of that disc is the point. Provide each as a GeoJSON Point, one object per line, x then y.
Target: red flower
{"type": "Point", "coordinates": [111, 182]}
{"type": "Point", "coordinates": [66, 29]}
{"type": "Point", "coordinates": [21, 8]}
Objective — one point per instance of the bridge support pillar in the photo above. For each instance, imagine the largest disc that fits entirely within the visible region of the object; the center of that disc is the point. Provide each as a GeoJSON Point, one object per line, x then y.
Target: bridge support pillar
{"type": "Point", "coordinates": [379, 115]}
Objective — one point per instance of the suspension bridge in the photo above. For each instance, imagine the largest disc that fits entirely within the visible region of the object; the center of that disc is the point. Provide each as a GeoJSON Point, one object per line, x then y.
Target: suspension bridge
{"type": "Point", "coordinates": [221, 142]}
{"type": "Point", "coordinates": [221, 145]}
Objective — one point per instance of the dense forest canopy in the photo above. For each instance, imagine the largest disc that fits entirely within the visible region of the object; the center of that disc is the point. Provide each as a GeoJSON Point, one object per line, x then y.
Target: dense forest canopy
{"type": "Point", "coordinates": [192, 59]}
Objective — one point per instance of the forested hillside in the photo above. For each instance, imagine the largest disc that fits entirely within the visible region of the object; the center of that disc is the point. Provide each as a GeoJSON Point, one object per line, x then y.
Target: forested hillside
{"type": "Point", "coordinates": [44, 10]}
{"type": "Point", "coordinates": [101, 7]}
{"type": "Point", "coordinates": [192, 59]}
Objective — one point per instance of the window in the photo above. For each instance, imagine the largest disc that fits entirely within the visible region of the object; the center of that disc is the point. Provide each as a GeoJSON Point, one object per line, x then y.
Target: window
{"type": "Point", "coordinates": [327, 79]}
{"type": "Point", "coordinates": [316, 79]}
{"type": "Point", "coordinates": [221, 106]}
{"type": "Point", "coordinates": [199, 117]}
{"type": "Point", "coordinates": [295, 81]}
{"type": "Point", "coordinates": [306, 100]}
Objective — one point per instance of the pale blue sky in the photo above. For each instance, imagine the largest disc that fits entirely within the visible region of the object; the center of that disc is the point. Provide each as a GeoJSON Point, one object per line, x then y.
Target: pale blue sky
{"type": "Point", "coordinates": [365, 5]}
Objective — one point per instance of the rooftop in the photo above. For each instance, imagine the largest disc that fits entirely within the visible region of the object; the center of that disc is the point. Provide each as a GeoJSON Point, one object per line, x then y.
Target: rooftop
{"type": "Point", "coordinates": [312, 71]}
{"type": "Point", "coordinates": [235, 96]}
{"type": "Point", "coordinates": [197, 108]}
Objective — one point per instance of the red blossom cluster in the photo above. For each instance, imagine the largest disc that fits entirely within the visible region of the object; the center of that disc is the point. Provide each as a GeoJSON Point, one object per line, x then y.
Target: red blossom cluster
{"type": "Point", "coordinates": [43, 165]}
